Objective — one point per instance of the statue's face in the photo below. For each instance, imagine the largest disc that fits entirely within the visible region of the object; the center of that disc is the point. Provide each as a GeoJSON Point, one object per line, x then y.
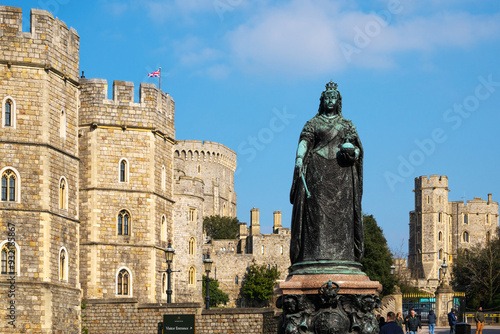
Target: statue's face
{"type": "Point", "coordinates": [330, 101]}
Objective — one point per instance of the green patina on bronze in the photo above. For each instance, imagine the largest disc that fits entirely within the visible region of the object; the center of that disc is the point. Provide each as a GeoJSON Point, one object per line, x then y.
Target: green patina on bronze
{"type": "Point", "coordinates": [327, 222]}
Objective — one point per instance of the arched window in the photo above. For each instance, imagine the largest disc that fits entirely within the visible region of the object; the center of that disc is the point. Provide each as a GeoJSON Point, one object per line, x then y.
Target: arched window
{"type": "Point", "coordinates": [440, 236]}
{"type": "Point", "coordinates": [281, 249]}
{"type": "Point", "coordinates": [163, 177]}
{"type": "Point", "coordinates": [192, 275]}
{"type": "Point", "coordinates": [123, 170]}
{"type": "Point", "coordinates": [62, 121]}
{"type": "Point", "coordinates": [10, 259]}
{"type": "Point", "coordinates": [440, 273]}
{"type": "Point", "coordinates": [262, 250]}
{"type": "Point", "coordinates": [11, 254]}
{"type": "Point", "coordinates": [440, 254]}
{"type": "Point", "coordinates": [465, 236]}
{"type": "Point", "coordinates": [123, 283]}
{"type": "Point", "coordinates": [63, 265]}
{"type": "Point", "coordinates": [9, 112]}
{"type": "Point", "coordinates": [466, 253]}
{"type": "Point", "coordinates": [10, 186]}
{"type": "Point", "coordinates": [192, 245]}
{"type": "Point", "coordinates": [192, 215]}
{"type": "Point", "coordinates": [163, 228]}
{"type": "Point", "coordinates": [236, 280]}
{"type": "Point", "coordinates": [63, 194]}
{"type": "Point", "coordinates": [488, 236]}
{"type": "Point", "coordinates": [466, 219]}
{"type": "Point", "coordinates": [123, 223]}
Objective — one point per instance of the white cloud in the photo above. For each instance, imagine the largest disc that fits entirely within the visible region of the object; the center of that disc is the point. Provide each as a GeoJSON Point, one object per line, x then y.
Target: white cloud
{"type": "Point", "coordinates": [308, 38]}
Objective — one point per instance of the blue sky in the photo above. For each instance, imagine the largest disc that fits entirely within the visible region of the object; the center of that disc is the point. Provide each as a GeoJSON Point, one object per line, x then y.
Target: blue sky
{"type": "Point", "coordinates": [419, 79]}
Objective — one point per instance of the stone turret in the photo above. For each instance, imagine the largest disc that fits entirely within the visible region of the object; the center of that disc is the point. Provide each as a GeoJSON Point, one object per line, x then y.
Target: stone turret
{"type": "Point", "coordinates": [254, 222]}
{"type": "Point", "coordinates": [39, 153]}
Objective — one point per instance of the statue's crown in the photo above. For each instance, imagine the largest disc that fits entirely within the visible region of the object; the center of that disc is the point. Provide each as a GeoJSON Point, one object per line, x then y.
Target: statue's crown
{"type": "Point", "coordinates": [331, 86]}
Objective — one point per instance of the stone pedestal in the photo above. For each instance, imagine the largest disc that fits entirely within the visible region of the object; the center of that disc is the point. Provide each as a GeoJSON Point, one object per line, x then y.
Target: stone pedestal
{"type": "Point", "coordinates": [444, 303]}
{"type": "Point", "coordinates": [328, 303]}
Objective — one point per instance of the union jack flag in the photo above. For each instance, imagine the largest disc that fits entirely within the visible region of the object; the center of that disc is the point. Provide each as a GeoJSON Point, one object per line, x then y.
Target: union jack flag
{"type": "Point", "coordinates": [154, 74]}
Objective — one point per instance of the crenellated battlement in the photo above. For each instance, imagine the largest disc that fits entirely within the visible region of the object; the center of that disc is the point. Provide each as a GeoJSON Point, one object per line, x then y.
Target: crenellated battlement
{"type": "Point", "coordinates": [50, 44]}
{"type": "Point", "coordinates": [431, 181]}
{"type": "Point", "coordinates": [205, 151]}
{"type": "Point", "coordinates": [155, 109]}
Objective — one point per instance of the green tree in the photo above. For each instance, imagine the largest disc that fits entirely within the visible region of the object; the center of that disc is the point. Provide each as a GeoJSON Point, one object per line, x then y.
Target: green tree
{"type": "Point", "coordinates": [478, 274]}
{"type": "Point", "coordinates": [221, 227]}
{"type": "Point", "coordinates": [258, 284]}
{"type": "Point", "coordinates": [217, 296]}
{"type": "Point", "coordinates": [377, 261]}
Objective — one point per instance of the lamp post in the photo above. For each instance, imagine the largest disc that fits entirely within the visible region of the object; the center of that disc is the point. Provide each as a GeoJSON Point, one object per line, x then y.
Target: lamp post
{"type": "Point", "coordinates": [393, 269]}
{"type": "Point", "coordinates": [444, 268]}
{"type": "Point", "coordinates": [207, 263]}
{"type": "Point", "coordinates": [169, 255]}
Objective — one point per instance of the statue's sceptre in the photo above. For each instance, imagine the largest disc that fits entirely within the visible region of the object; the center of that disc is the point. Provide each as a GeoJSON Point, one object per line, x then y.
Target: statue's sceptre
{"type": "Point", "coordinates": [308, 194]}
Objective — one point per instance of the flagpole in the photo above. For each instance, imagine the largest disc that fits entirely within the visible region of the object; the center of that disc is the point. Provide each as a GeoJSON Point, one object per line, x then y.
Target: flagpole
{"type": "Point", "coordinates": [160, 78]}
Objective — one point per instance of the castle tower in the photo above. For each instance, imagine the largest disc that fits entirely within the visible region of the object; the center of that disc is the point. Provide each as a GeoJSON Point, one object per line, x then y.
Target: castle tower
{"type": "Point", "coordinates": [215, 164]}
{"type": "Point", "coordinates": [440, 229]}
{"type": "Point", "coordinates": [39, 218]}
{"type": "Point", "coordinates": [203, 186]}
{"type": "Point", "coordinates": [188, 237]}
{"type": "Point", "coordinates": [126, 193]}
{"type": "Point", "coordinates": [429, 228]}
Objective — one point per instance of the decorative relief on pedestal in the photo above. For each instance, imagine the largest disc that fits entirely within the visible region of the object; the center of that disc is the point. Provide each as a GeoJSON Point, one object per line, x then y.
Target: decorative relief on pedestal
{"type": "Point", "coordinates": [328, 312]}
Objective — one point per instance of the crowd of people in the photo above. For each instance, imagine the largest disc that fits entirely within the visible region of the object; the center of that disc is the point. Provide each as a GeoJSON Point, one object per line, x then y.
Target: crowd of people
{"type": "Point", "coordinates": [412, 325]}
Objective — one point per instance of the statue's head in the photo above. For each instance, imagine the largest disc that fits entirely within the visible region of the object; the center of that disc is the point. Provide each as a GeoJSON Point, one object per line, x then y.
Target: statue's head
{"type": "Point", "coordinates": [330, 99]}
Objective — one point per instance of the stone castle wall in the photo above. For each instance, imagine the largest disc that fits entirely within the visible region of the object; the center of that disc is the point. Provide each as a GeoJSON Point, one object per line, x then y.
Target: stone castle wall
{"type": "Point", "coordinates": [117, 316]}
{"type": "Point", "coordinates": [188, 225]}
{"type": "Point", "coordinates": [141, 134]}
{"type": "Point", "coordinates": [39, 76]}
{"type": "Point", "coordinates": [440, 229]}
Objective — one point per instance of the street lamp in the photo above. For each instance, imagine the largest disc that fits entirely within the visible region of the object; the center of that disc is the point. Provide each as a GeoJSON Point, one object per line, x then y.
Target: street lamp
{"type": "Point", "coordinates": [393, 269]}
{"type": "Point", "coordinates": [207, 263]}
{"type": "Point", "coordinates": [444, 268]}
{"type": "Point", "coordinates": [169, 255]}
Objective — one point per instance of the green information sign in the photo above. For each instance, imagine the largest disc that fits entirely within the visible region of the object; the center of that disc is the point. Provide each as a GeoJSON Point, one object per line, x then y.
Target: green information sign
{"type": "Point", "coordinates": [178, 324]}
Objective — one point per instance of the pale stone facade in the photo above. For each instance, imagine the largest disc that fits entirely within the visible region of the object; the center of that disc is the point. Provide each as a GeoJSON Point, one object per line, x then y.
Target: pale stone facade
{"type": "Point", "coordinates": [39, 154]}
{"type": "Point", "coordinates": [232, 257]}
{"type": "Point", "coordinates": [93, 188]}
{"type": "Point", "coordinates": [439, 229]}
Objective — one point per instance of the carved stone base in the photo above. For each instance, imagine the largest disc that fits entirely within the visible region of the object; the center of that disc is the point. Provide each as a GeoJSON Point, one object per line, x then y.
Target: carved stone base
{"type": "Point", "coordinates": [328, 304]}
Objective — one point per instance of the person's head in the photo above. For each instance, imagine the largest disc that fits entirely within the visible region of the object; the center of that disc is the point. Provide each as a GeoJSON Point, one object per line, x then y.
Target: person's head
{"type": "Point", "coordinates": [391, 316]}
{"type": "Point", "coordinates": [480, 308]}
{"type": "Point", "coordinates": [412, 312]}
{"type": "Point", "coordinates": [431, 311]}
{"type": "Point", "coordinates": [453, 310]}
{"type": "Point", "coordinates": [330, 100]}
{"type": "Point", "coordinates": [399, 315]}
